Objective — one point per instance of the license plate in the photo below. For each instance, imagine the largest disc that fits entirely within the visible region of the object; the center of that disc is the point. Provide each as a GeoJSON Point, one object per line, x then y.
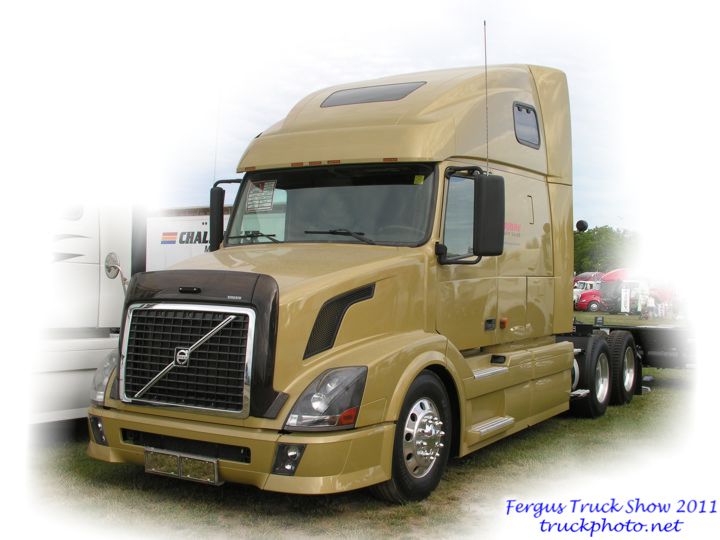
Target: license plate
{"type": "Point", "coordinates": [183, 466]}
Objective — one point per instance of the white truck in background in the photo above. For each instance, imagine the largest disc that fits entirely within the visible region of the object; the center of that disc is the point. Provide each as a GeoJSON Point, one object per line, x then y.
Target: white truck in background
{"type": "Point", "coordinates": [82, 321]}
{"type": "Point", "coordinates": [82, 316]}
{"type": "Point", "coordinates": [582, 286]}
{"type": "Point", "coordinates": [175, 235]}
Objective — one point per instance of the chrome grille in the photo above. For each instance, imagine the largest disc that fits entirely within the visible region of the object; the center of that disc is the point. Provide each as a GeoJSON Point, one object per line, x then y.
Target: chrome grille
{"type": "Point", "coordinates": [216, 375]}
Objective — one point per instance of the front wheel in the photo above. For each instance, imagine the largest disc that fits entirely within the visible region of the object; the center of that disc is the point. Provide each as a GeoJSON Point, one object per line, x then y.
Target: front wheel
{"type": "Point", "coordinates": [422, 442]}
{"type": "Point", "coordinates": [593, 306]}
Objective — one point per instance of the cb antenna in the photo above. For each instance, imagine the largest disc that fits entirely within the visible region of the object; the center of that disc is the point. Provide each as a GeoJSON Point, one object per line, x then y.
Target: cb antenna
{"type": "Point", "coordinates": [487, 119]}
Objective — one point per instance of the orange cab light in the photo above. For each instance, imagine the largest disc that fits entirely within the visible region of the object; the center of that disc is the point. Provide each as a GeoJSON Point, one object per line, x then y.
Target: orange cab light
{"type": "Point", "coordinates": [390, 159]}
{"type": "Point", "coordinates": [313, 163]}
{"type": "Point", "coordinates": [297, 164]}
{"type": "Point", "coordinates": [333, 162]}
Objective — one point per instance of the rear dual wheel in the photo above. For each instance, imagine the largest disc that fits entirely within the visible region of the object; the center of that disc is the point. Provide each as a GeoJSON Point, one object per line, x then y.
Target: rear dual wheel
{"type": "Point", "coordinates": [610, 370]}
{"type": "Point", "coordinates": [594, 366]}
{"type": "Point", "coordinates": [624, 365]}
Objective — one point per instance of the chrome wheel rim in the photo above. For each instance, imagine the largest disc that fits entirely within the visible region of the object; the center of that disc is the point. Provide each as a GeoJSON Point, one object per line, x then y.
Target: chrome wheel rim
{"type": "Point", "coordinates": [628, 369]}
{"type": "Point", "coordinates": [422, 438]}
{"type": "Point", "coordinates": [602, 377]}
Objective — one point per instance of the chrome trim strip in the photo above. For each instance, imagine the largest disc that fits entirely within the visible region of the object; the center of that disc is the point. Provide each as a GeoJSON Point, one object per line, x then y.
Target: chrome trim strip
{"type": "Point", "coordinates": [155, 379]}
{"type": "Point", "coordinates": [489, 372]}
{"type": "Point", "coordinates": [245, 412]}
{"type": "Point", "coordinates": [211, 333]}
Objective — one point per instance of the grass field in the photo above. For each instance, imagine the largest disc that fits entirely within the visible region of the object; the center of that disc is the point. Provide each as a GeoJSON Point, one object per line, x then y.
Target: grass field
{"type": "Point", "coordinates": [123, 498]}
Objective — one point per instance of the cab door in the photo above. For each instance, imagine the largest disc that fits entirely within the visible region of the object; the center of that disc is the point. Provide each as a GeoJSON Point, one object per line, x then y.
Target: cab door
{"type": "Point", "coordinates": [467, 293]}
{"type": "Point", "coordinates": [486, 304]}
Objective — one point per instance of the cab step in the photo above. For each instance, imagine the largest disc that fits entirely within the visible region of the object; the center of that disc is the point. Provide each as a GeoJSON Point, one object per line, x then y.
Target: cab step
{"type": "Point", "coordinates": [488, 427]}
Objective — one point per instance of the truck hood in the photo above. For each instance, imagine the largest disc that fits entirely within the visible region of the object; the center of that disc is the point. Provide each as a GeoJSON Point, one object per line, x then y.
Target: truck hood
{"type": "Point", "coordinates": [310, 275]}
{"type": "Point", "coordinates": [382, 289]}
{"type": "Point", "coordinates": [301, 268]}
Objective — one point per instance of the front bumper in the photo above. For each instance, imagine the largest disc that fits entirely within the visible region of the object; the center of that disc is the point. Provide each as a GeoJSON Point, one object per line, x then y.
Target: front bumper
{"type": "Point", "coordinates": [331, 463]}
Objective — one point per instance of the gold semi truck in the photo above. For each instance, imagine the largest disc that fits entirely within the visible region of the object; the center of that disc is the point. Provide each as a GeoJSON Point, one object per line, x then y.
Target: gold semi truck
{"type": "Point", "coordinates": [394, 287]}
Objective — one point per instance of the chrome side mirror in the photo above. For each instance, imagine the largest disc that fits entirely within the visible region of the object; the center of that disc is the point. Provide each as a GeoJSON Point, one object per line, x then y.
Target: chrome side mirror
{"type": "Point", "coordinates": [113, 269]}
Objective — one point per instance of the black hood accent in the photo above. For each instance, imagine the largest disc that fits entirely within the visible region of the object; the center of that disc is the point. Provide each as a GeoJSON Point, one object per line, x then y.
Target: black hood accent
{"type": "Point", "coordinates": [221, 287]}
{"type": "Point", "coordinates": [327, 324]}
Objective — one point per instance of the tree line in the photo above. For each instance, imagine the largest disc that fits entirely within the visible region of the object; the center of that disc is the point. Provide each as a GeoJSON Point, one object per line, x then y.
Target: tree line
{"type": "Point", "coordinates": [602, 249]}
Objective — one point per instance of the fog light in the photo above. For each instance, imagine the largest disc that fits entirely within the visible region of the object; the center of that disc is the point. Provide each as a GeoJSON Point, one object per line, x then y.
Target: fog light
{"type": "Point", "coordinates": [98, 432]}
{"type": "Point", "coordinates": [287, 458]}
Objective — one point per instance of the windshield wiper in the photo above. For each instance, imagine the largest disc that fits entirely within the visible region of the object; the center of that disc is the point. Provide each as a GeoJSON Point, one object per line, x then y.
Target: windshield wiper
{"type": "Point", "coordinates": [255, 234]}
{"type": "Point", "coordinates": [345, 232]}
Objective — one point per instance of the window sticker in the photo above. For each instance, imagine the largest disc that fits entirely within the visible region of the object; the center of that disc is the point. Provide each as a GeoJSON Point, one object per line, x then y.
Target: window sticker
{"type": "Point", "coordinates": [260, 196]}
{"type": "Point", "coordinates": [419, 180]}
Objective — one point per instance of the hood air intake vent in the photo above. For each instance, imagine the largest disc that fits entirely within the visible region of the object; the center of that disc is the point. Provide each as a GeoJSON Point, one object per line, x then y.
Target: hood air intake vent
{"type": "Point", "coordinates": [330, 317]}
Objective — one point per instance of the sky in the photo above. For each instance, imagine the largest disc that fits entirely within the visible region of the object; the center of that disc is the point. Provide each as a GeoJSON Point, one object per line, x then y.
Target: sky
{"type": "Point", "coordinates": [150, 102]}
{"type": "Point", "coordinates": [158, 100]}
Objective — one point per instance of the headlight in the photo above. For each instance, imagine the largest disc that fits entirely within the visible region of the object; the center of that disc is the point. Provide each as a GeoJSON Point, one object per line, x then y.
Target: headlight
{"type": "Point", "coordinates": [102, 375]}
{"type": "Point", "coordinates": [331, 402]}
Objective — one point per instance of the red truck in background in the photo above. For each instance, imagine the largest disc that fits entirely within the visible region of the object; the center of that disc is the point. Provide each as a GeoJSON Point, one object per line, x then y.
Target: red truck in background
{"type": "Point", "coordinates": [590, 300]}
{"type": "Point", "coordinates": [619, 291]}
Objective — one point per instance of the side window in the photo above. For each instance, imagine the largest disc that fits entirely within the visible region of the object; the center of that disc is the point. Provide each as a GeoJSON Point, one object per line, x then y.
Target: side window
{"type": "Point", "coordinates": [526, 125]}
{"type": "Point", "coordinates": [459, 217]}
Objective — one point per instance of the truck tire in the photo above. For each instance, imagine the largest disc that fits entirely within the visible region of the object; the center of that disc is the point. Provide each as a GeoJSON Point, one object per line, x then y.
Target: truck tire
{"type": "Point", "coordinates": [593, 306]}
{"type": "Point", "coordinates": [595, 376]}
{"type": "Point", "coordinates": [623, 367]}
{"type": "Point", "coordinates": [422, 442]}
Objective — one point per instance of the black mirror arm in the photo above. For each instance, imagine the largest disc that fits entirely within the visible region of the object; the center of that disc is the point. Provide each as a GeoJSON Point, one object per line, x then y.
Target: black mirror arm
{"type": "Point", "coordinates": [469, 171]}
{"type": "Point", "coordinates": [441, 252]}
{"type": "Point", "coordinates": [228, 181]}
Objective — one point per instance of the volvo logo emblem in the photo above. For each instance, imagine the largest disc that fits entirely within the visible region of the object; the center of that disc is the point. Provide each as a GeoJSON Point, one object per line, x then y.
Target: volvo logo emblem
{"type": "Point", "coordinates": [182, 356]}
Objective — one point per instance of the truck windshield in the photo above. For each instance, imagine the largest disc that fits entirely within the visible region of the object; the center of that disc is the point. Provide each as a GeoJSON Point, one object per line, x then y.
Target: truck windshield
{"type": "Point", "coordinates": [369, 204]}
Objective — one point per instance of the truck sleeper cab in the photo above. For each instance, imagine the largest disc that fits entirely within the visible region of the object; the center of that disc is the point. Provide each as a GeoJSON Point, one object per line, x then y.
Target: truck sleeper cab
{"type": "Point", "coordinates": [386, 295]}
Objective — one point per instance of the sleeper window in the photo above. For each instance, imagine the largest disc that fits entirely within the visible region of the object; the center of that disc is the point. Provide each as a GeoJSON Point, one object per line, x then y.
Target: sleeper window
{"type": "Point", "coordinates": [526, 125]}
